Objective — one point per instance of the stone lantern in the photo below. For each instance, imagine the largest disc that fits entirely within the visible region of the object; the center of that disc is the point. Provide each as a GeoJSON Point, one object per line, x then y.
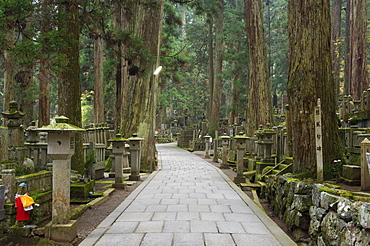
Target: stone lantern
{"type": "Point", "coordinates": [14, 145]}
{"type": "Point", "coordinates": [225, 145]}
{"type": "Point", "coordinates": [118, 150]}
{"type": "Point", "coordinates": [32, 136]}
{"type": "Point", "coordinates": [61, 147]}
{"type": "Point", "coordinates": [207, 139]}
{"type": "Point", "coordinates": [135, 145]}
{"type": "Point", "coordinates": [241, 143]}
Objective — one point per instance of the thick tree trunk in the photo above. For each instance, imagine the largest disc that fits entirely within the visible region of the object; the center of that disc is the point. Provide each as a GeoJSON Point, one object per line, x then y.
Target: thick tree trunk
{"type": "Point", "coordinates": [142, 87]}
{"type": "Point", "coordinates": [69, 90]}
{"type": "Point", "coordinates": [310, 78]}
{"type": "Point", "coordinates": [44, 98]}
{"type": "Point", "coordinates": [347, 62]}
{"type": "Point", "coordinates": [359, 80]}
{"type": "Point", "coordinates": [9, 71]}
{"type": "Point", "coordinates": [336, 20]}
{"type": "Point", "coordinates": [44, 73]}
{"type": "Point", "coordinates": [117, 25]}
{"type": "Point", "coordinates": [25, 96]}
{"type": "Point", "coordinates": [211, 73]}
{"type": "Point", "coordinates": [98, 81]}
{"type": "Point", "coordinates": [259, 110]}
{"type": "Point", "coordinates": [219, 50]}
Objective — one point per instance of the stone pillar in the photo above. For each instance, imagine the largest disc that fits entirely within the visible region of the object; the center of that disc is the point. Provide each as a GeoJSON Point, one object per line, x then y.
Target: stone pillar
{"type": "Point", "coordinates": [61, 147]}
{"type": "Point", "coordinates": [365, 165]}
{"type": "Point", "coordinates": [8, 179]}
{"type": "Point", "coordinates": [207, 139]}
{"type": "Point", "coordinates": [125, 159]}
{"type": "Point", "coordinates": [118, 150]}
{"type": "Point", "coordinates": [2, 201]}
{"type": "Point", "coordinates": [225, 145]}
{"type": "Point", "coordinates": [215, 146]}
{"type": "Point", "coordinates": [4, 144]}
{"type": "Point", "coordinates": [135, 145]}
{"type": "Point", "coordinates": [240, 147]}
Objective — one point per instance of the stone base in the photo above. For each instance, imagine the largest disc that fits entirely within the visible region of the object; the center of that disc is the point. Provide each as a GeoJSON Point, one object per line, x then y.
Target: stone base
{"type": "Point", "coordinates": [351, 172]}
{"type": "Point", "coordinates": [61, 232]}
{"type": "Point", "coordinates": [20, 231]}
{"type": "Point", "coordinates": [119, 185]}
{"type": "Point", "coordinates": [224, 166]}
{"type": "Point", "coordinates": [261, 165]}
{"type": "Point", "coordinates": [127, 170]}
{"type": "Point", "coordinates": [79, 190]}
{"type": "Point", "coordinates": [239, 180]}
{"type": "Point", "coordinates": [134, 177]}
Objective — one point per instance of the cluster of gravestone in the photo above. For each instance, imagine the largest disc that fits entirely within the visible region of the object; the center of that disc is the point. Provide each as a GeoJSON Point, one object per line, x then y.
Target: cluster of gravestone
{"type": "Point", "coordinates": [45, 153]}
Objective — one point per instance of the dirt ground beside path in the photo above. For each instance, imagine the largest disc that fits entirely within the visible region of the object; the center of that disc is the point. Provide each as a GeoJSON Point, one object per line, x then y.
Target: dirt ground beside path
{"type": "Point", "coordinates": [91, 218]}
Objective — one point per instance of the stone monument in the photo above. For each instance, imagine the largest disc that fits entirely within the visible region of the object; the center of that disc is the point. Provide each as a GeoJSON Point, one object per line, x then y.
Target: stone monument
{"type": "Point", "coordinates": [61, 147]}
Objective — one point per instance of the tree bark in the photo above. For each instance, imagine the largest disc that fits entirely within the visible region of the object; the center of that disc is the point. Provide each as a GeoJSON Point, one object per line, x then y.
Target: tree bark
{"type": "Point", "coordinates": [141, 89]}
{"type": "Point", "coordinates": [310, 78]}
{"type": "Point", "coordinates": [98, 80]}
{"type": "Point", "coordinates": [259, 111]}
{"type": "Point", "coordinates": [219, 50]}
{"type": "Point", "coordinates": [347, 62]}
{"type": "Point", "coordinates": [211, 73]}
{"type": "Point", "coordinates": [359, 80]}
{"type": "Point", "coordinates": [117, 25]}
{"type": "Point", "coordinates": [336, 19]}
{"type": "Point", "coordinates": [9, 71]}
{"type": "Point", "coordinates": [45, 72]}
{"type": "Point", "coordinates": [69, 89]}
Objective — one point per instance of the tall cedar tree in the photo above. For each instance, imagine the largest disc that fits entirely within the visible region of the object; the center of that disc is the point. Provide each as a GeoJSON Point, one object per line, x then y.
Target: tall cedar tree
{"type": "Point", "coordinates": [310, 78]}
{"type": "Point", "coordinates": [69, 89]}
{"type": "Point", "coordinates": [358, 76]}
{"type": "Point", "coordinates": [259, 110]}
{"type": "Point", "coordinates": [141, 86]}
{"type": "Point", "coordinates": [217, 81]}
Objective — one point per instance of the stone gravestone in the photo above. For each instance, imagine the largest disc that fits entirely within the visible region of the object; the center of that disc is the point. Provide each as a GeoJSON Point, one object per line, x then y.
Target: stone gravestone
{"type": "Point", "coordinates": [135, 146]}
{"type": "Point", "coordinates": [2, 201]}
{"type": "Point", "coordinates": [365, 165]}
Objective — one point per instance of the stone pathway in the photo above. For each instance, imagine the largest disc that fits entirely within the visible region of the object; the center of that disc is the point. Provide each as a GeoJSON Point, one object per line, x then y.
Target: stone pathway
{"type": "Point", "coordinates": [187, 202]}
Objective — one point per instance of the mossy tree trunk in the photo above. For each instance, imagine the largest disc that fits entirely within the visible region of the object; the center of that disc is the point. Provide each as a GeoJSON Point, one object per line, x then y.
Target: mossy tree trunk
{"type": "Point", "coordinates": [69, 89]}
{"type": "Point", "coordinates": [310, 78]}
{"type": "Point", "coordinates": [259, 111]}
{"type": "Point", "coordinates": [141, 88]}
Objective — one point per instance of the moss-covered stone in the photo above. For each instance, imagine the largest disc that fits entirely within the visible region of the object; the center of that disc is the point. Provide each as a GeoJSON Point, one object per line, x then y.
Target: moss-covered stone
{"type": "Point", "coordinates": [81, 190]}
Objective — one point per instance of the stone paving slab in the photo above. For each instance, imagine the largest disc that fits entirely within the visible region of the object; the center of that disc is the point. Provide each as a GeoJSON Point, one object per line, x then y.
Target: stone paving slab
{"type": "Point", "coordinates": [187, 202]}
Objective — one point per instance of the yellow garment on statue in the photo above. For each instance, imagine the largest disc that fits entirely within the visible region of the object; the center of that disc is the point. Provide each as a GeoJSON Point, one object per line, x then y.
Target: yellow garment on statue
{"type": "Point", "coordinates": [27, 200]}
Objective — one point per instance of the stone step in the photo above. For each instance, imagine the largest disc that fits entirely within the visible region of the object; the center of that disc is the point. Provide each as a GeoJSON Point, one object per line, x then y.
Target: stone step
{"type": "Point", "coordinates": [249, 173]}
{"type": "Point", "coordinates": [283, 166]}
{"type": "Point", "coordinates": [275, 171]}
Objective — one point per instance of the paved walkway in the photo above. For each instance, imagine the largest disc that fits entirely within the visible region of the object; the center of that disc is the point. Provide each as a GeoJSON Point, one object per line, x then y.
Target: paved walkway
{"type": "Point", "coordinates": [187, 202]}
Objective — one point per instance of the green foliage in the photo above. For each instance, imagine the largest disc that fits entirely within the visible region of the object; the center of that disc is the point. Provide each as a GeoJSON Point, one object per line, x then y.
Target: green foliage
{"type": "Point", "coordinates": [108, 165]}
{"type": "Point", "coordinates": [90, 160]}
{"type": "Point", "coordinates": [87, 107]}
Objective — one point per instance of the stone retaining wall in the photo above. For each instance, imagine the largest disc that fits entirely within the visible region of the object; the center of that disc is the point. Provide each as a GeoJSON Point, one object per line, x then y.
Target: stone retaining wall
{"type": "Point", "coordinates": [317, 217]}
